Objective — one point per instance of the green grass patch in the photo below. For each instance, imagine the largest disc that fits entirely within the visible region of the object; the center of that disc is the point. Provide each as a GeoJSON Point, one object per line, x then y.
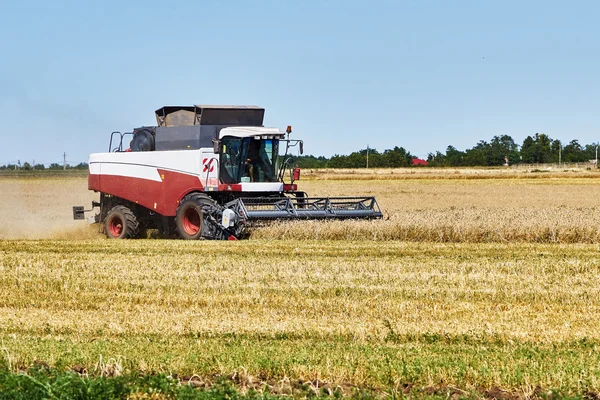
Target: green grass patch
{"type": "Point", "coordinates": [286, 364]}
{"type": "Point", "coordinates": [46, 383]}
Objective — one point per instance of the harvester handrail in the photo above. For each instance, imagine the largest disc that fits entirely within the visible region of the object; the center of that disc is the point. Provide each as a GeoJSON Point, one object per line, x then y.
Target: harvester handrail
{"type": "Point", "coordinates": [208, 170]}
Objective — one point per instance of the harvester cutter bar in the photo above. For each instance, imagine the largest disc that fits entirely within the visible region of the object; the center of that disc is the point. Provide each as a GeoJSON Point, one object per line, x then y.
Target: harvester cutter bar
{"type": "Point", "coordinates": [269, 208]}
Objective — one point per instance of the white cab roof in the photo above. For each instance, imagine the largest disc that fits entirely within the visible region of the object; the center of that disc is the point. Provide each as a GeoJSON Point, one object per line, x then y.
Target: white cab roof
{"type": "Point", "coordinates": [249, 131]}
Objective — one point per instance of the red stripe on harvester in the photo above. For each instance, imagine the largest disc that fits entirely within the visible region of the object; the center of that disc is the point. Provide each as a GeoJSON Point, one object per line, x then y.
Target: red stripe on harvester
{"type": "Point", "coordinates": [162, 197]}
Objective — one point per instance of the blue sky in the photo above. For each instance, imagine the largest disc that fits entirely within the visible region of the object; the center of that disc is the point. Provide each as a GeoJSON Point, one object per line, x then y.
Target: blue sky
{"type": "Point", "coordinates": [418, 74]}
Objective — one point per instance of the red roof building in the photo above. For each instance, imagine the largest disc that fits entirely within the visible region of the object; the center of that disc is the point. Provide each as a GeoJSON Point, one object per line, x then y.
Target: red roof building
{"type": "Point", "coordinates": [418, 161]}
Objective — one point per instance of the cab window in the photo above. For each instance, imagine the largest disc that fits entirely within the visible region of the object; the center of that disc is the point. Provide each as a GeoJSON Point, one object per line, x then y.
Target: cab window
{"type": "Point", "coordinates": [249, 160]}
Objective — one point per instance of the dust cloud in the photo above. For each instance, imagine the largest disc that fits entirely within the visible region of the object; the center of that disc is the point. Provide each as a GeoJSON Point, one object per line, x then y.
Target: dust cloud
{"type": "Point", "coordinates": [41, 208]}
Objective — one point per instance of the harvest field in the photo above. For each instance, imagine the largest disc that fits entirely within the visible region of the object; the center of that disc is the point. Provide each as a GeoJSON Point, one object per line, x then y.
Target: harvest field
{"type": "Point", "coordinates": [481, 284]}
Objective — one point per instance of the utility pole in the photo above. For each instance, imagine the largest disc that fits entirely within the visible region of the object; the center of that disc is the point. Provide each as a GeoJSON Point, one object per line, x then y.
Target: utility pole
{"type": "Point", "coordinates": [596, 156]}
{"type": "Point", "coordinates": [64, 161]}
{"type": "Point", "coordinates": [367, 156]}
{"type": "Point", "coordinates": [559, 153]}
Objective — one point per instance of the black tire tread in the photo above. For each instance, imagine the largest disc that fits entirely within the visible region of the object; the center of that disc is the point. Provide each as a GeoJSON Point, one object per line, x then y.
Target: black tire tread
{"type": "Point", "coordinates": [198, 198]}
{"type": "Point", "coordinates": [132, 226]}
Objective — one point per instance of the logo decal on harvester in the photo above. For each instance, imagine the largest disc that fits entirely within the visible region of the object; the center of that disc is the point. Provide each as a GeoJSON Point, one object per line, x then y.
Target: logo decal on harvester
{"type": "Point", "coordinates": [212, 167]}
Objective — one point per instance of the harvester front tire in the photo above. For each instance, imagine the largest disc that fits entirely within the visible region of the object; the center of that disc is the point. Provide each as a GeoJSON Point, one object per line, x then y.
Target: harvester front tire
{"type": "Point", "coordinates": [121, 223]}
{"type": "Point", "coordinates": [190, 218]}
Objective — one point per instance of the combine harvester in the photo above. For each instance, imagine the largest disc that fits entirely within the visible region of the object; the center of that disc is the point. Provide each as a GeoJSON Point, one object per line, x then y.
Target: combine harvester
{"type": "Point", "coordinates": [205, 172]}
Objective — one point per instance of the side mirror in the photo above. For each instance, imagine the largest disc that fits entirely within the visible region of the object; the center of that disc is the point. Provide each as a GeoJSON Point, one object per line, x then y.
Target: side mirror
{"type": "Point", "coordinates": [216, 146]}
{"type": "Point", "coordinates": [301, 147]}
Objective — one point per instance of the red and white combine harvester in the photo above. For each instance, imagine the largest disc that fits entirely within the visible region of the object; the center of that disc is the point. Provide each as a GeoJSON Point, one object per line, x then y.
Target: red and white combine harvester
{"type": "Point", "coordinates": [205, 172]}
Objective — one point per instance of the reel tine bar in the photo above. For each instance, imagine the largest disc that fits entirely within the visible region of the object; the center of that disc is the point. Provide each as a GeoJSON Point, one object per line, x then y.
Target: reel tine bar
{"type": "Point", "coordinates": [268, 208]}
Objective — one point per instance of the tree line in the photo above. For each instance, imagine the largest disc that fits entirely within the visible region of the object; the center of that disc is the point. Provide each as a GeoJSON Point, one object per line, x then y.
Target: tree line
{"type": "Point", "coordinates": [394, 158]}
{"type": "Point", "coordinates": [41, 167]}
{"type": "Point", "coordinates": [500, 150]}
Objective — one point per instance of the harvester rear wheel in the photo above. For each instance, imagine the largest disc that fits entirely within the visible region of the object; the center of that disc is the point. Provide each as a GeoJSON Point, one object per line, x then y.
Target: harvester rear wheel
{"type": "Point", "coordinates": [121, 223]}
{"type": "Point", "coordinates": [190, 218]}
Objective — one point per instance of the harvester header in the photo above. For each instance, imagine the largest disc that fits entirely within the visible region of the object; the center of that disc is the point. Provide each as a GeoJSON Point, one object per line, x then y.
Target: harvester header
{"type": "Point", "coordinates": [205, 171]}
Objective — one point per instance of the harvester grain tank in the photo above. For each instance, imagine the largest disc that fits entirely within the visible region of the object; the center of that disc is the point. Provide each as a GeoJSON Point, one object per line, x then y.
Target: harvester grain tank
{"type": "Point", "coordinates": [205, 172]}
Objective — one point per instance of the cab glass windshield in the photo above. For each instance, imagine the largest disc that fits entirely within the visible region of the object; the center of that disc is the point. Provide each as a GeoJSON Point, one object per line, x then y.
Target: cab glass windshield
{"type": "Point", "coordinates": [248, 160]}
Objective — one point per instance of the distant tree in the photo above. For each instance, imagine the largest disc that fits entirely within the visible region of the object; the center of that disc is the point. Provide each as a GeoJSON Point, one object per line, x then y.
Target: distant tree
{"type": "Point", "coordinates": [501, 147]}
{"type": "Point", "coordinates": [454, 157]}
{"type": "Point", "coordinates": [81, 166]}
{"type": "Point", "coordinates": [397, 157]}
{"type": "Point", "coordinates": [336, 161]}
{"type": "Point", "coordinates": [477, 155]}
{"type": "Point", "coordinates": [375, 159]}
{"type": "Point", "coordinates": [437, 159]}
{"type": "Point", "coordinates": [55, 166]}
{"type": "Point", "coordinates": [27, 166]}
{"type": "Point", "coordinates": [39, 167]}
{"type": "Point", "coordinates": [310, 161]}
{"type": "Point", "coordinates": [528, 150]}
{"type": "Point", "coordinates": [358, 159]}
{"type": "Point", "coordinates": [556, 153]}
{"type": "Point", "coordinates": [537, 149]}
{"type": "Point", "coordinates": [590, 150]}
{"type": "Point", "coordinates": [574, 152]}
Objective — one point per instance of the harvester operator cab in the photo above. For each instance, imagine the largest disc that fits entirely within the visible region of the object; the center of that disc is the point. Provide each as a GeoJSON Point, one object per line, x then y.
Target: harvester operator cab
{"type": "Point", "coordinates": [251, 154]}
{"type": "Point", "coordinates": [249, 159]}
